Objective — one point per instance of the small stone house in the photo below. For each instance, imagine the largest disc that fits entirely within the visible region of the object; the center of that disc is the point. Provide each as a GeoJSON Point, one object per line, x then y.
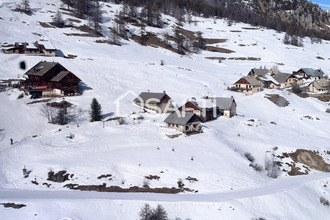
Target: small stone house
{"type": "Point", "coordinates": [159, 102]}
{"type": "Point", "coordinates": [225, 106]}
{"type": "Point", "coordinates": [321, 85]}
{"type": "Point", "coordinates": [204, 108]}
{"type": "Point", "coordinates": [248, 85]}
{"type": "Point", "coordinates": [287, 79]}
{"type": "Point", "coordinates": [186, 122]}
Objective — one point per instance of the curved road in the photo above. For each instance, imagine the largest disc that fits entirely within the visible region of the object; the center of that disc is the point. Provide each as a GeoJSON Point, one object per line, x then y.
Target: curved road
{"type": "Point", "coordinates": [281, 185]}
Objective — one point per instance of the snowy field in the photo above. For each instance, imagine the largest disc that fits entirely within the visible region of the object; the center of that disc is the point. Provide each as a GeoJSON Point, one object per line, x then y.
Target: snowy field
{"type": "Point", "coordinates": [228, 188]}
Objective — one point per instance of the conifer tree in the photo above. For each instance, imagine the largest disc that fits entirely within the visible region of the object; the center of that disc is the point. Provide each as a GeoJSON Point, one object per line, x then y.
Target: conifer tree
{"type": "Point", "coordinates": [96, 111]}
{"type": "Point", "coordinates": [159, 213]}
{"type": "Point", "coordinates": [25, 6]}
{"type": "Point", "coordinates": [58, 20]}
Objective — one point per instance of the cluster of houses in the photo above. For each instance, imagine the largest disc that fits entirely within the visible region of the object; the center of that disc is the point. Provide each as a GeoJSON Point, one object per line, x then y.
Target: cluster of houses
{"type": "Point", "coordinates": [41, 48]}
{"type": "Point", "coordinates": [50, 79]}
{"type": "Point", "coordinates": [188, 117]}
{"type": "Point", "coordinates": [257, 79]}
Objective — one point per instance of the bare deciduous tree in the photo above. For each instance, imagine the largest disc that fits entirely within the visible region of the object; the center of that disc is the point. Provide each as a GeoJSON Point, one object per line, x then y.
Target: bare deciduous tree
{"type": "Point", "coordinates": [48, 112]}
{"type": "Point", "coordinates": [114, 35]}
{"type": "Point", "coordinates": [58, 20]}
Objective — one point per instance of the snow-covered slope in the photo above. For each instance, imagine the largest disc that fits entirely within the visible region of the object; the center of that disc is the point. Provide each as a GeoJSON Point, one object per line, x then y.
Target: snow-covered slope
{"type": "Point", "coordinates": [228, 188]}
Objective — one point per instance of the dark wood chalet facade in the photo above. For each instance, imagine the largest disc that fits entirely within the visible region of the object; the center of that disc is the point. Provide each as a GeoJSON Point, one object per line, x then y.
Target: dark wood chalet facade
{"type": "Point", "coordinates": [51, 79]}
{"type": "Point", "coordinates": [206, 113]}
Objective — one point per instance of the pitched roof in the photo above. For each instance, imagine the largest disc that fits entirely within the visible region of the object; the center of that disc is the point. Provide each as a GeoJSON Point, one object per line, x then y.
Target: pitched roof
{"type": "Point", "coordinates": [41, 68]}
{"type": "Point", "coordinates": [321, 83]}
{"type": "Point", "coordinates": [282, 77]}
{"type": "Point", "coordinates": [312, 72]}
{"type": "Point", "coordinates": [45, 45]}
{"type": "Point", "coordinates": [145, 96]}
{"type": "Point", "coordinates": [224, 103]}
{"type": "Point", "coordinates": [269, 78]}
{"type": "Point", "coordinates": [253, 81]}
{"type": "Point", "coordinates": [60, 76]}
{"type": "Point", "coordinates": [260, 72]}
{"type": "Point", "coordinates": [180, 118]}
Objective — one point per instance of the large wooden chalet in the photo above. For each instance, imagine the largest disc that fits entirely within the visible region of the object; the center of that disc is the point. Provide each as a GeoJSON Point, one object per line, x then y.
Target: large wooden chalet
{"type": "Point", "coordinates": [50, 79]}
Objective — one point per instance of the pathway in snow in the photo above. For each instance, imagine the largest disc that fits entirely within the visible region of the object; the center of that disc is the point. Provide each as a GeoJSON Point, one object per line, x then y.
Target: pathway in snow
{"type": "Point", "coordinates": [281, 185]}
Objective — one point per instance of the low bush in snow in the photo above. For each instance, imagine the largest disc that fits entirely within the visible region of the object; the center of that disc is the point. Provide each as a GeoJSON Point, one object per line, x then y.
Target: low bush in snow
{"type": "Point", "coordinates": [249, 157]}
{"type": "Point", "coordinates": [324, 201]}
{"type": "Point", "coordinates": [256, 167]}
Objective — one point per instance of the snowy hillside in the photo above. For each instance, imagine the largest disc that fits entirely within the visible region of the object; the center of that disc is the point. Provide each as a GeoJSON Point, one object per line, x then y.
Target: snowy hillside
{"type": "Point", "coordinates": [228, 188]}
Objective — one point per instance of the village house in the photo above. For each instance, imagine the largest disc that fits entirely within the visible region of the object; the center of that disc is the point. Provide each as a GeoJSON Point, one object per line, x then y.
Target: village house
{"type": "Point", "coordinates": [186, 122]}
{"type": "Point", "coordinates": [309, 73]}
{"type": "Point", "coordinates": [288, 79]}
{"type": "Point", "coordinates": [225, 106]}
{"type": "Point", "coordinates": [204, 108]}
{"type": "Point", "coordinates": [47, 79]}
{"type": "Point", "coordinates": [320, 85]}
{"type": "Point", "coordinates": [255, 72]}
{"type": "Point", "coordinates": [269, 82]}
{"type": "Point", "coordinates": [159, 102]}
{"type": "Point", "coordinates": [248, 85]}
{"type": "Point", "coordinates": [40, 49]}
{"type": "Point", "coordinates": [280, 80]}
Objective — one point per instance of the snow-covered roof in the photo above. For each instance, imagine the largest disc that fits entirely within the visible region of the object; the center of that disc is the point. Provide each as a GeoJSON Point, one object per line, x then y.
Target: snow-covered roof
{"type": "Point", "coordinates": [31, 46]}
{"type": "Point", "coordinates": [47, 44]}
{"type": "Point", "coordinates": [269, 78]}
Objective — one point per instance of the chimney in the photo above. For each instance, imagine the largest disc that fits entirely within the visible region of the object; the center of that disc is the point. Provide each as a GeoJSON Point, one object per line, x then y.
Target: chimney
{"type": "Point", "coordinates": [164, 92]}
{"type": "Point", "coordinates": [148, 90]}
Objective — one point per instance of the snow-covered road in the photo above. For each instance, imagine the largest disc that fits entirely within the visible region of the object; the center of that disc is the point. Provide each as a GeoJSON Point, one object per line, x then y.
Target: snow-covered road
{"type": "Point", "coordinates": [281, 185]}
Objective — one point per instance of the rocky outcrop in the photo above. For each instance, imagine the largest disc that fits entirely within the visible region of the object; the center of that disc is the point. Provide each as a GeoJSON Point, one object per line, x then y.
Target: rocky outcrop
{"type": "Point", "coordinates": [311, 159]}
{"type": "Point", "coordinates": [301, 12]}
{"type": "Point", "coordinates": [296, 17]}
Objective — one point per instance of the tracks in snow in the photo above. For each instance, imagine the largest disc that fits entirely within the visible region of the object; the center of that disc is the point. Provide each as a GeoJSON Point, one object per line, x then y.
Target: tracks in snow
{"type": "Point", "coordinates": [277, 186]}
